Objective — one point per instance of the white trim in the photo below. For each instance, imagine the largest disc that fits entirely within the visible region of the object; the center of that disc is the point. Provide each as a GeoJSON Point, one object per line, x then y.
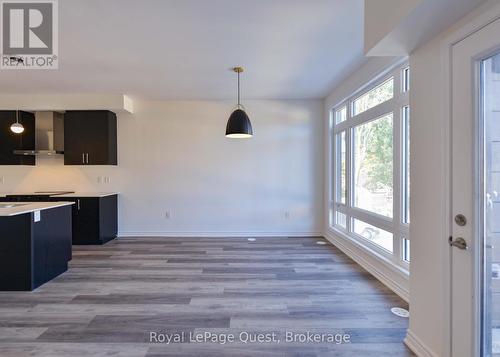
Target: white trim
{"type": "Point", "coordinates": [479, 22]}
{"type": "Point", "coordinates": [417, 346]}
{"type": "Point", "coordinates": [446, 195]}
{"type": "Point", "coordinates": [215, 234]}
{"type": "Point", "coordinates": [377, 265]}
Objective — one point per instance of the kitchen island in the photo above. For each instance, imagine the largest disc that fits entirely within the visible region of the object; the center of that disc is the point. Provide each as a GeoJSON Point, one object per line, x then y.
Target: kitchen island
{"type": "Point", "coordinates": [35, 243]}
{"type": "Point", "coordinates": [95, 214]}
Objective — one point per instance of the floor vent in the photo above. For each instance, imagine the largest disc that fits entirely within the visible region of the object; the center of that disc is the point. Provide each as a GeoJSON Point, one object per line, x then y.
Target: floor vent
{"type": "Point", "coordinates": [399, 311]}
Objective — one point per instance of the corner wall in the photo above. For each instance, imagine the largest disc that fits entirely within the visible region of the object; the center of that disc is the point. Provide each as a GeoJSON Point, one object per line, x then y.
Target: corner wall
{"type": "Point", "coordinates": [429, 329]}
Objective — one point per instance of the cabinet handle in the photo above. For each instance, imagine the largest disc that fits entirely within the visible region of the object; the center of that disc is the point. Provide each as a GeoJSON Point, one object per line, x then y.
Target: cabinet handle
{"type": "Point", "coordinates": [83, 159]}
{"type": "Point", "coordinates": [78, 204]}
{"type": "Point", "coordinates": [87, 157]}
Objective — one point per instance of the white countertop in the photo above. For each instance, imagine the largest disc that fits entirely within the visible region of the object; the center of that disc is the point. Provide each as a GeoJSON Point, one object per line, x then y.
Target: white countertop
{"type": "Point", "coordinates": [87, 194]}
{"type": "Point", "coordinates": [28, 207]}
{"type": "Point", "coordinates": [76, 194]}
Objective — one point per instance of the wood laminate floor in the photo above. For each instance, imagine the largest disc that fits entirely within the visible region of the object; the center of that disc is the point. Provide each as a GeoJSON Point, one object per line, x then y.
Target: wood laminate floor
{"type": "Point", "coordinates": [115, 296]}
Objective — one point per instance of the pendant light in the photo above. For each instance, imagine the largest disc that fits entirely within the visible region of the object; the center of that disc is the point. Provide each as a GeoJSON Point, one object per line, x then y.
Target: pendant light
{"type": "Point", "coordinates": [239, 125]}
{"type": "Point", "coordinates": [17, 128]}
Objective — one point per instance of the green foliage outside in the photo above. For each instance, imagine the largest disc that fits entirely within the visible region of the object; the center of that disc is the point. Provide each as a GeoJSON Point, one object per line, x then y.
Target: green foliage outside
{"type": "Point", "coordinates": [374, 155]}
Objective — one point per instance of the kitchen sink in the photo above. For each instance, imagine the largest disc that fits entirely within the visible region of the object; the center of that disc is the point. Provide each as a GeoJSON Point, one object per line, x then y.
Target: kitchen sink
{"type": "Point", "coordinates": [12, 205]}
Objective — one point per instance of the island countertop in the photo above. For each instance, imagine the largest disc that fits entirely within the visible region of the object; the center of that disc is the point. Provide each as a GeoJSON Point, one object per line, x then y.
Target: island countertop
{"type": "Point", "coordinates": [67, 195]}
{"type": "Point", "coordinates": [88, 194]}
{"type": "Point", "coordinates": [8, 209]}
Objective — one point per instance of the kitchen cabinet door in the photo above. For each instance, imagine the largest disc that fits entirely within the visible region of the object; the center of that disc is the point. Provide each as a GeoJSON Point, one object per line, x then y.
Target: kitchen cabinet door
{"type": "Point", "coordinates": [75, 136]}
{"type": "Point", "coordinates": [86, 221]}
{"type": "Point", "coordinates": [91, 137]}
{"type": "Point", "coordinates": [10, 141]}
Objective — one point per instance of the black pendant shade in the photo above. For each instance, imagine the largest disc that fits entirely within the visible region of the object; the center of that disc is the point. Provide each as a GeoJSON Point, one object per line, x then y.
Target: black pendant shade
{"type": "Point", "coordinates": [239, 125]}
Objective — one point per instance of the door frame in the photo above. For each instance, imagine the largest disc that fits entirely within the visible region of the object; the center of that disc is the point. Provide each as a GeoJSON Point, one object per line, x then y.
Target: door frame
{"type": "Point", "coordinates": [474, 25]}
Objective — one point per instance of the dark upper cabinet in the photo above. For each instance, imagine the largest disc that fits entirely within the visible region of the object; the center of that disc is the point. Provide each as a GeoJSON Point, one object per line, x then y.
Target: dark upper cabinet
{"type": "Point", "coordinates": [10, 141]}
{"type": "Point", "coordinates": [90, 137]}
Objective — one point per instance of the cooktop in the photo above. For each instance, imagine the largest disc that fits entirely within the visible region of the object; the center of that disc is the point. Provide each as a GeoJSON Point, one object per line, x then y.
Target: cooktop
{"type": "Point", "coordinates": [53, 193]}
{"type": "Point", "coordinates": [43, 193]}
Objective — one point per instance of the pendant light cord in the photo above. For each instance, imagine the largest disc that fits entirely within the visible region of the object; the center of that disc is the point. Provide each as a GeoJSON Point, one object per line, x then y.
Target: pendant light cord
{"type": "Point", "coordinates": [239, 104]}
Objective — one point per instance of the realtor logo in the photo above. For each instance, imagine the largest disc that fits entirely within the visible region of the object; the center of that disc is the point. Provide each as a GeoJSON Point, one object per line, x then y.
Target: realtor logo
{"type": "Point", "coordinates": [29, 34]}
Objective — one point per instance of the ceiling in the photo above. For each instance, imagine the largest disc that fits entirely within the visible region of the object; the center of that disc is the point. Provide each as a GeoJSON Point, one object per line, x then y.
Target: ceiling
{"type": "Point", "coordinates": [184, 49]}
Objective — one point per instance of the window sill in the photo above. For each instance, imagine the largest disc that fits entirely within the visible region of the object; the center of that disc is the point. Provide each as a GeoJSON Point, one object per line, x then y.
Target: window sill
{"type": "Point", "coordinates": [394, 276]}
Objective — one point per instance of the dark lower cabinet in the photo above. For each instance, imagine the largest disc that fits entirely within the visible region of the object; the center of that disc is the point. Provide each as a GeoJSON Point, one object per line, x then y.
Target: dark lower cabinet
{"type": "Point", "coordinates": [32, 253]}
{"type": "Point", "coordinates": [95, 219]}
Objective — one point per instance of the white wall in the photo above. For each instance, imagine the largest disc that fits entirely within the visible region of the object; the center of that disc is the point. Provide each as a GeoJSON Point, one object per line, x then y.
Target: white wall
{"type": "Point", "coordinates": [430, 219]}
{"type": "Point", "coordinates": [397, 28]}
{"type": "Point", "coordinates": [174, 156]}
{"type": "Point", "coordinates": [382, 16]}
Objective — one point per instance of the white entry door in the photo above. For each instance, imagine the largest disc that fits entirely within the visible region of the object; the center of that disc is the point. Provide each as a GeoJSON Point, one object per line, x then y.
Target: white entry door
{"type": "Point", "coordinates": [475, 249]}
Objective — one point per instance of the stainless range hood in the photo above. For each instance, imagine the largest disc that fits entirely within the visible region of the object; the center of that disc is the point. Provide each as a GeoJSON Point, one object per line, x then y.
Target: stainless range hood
{"type": "Point", "coordinates": [49, 135]}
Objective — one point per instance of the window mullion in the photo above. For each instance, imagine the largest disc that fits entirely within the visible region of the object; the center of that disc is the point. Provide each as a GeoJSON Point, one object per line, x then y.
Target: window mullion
{"type": "Point", "coordinates": [333, 180]}
{"type": "Point", "coordinates": [397, 169]}
{"type": "Point", "coordinates": [348, 178]}
{"type": "Point", "coordinates": [373, 219]}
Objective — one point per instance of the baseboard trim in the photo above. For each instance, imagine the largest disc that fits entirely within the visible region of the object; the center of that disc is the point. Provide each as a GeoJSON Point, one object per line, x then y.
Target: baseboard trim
{"type": "Point", "coordinates": [355, 252]}
{"type": "Point", "coordinates": [416, 345]}
{"type": "Point", "coordinates": [220, 234]}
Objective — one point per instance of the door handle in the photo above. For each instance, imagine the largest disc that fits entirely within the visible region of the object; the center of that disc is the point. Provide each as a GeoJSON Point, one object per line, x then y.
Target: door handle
{"type": "Point", "coordinates": [459, 243]}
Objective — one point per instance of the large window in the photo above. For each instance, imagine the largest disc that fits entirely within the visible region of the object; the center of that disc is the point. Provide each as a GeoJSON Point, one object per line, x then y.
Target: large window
{"type": "Point", "coordinates": [371, 163]}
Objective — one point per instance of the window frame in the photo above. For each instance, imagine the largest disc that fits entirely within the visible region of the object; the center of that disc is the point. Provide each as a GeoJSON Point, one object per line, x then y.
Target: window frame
{"type": "Point", "coordinates": [394, 225]}
{"type": "Point", "coordinates": [339, 198]}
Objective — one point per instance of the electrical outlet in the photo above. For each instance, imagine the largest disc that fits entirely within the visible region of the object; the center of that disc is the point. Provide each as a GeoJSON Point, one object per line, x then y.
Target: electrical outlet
{"type": "Point", "coordinates": [287, 214]}
{"type": "Point", "coordinates": [167, 214]}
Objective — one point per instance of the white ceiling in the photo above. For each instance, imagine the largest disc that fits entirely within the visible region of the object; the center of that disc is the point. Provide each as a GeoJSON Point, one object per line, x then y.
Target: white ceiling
{"type": "Point", "coordinates": [184, 49]}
